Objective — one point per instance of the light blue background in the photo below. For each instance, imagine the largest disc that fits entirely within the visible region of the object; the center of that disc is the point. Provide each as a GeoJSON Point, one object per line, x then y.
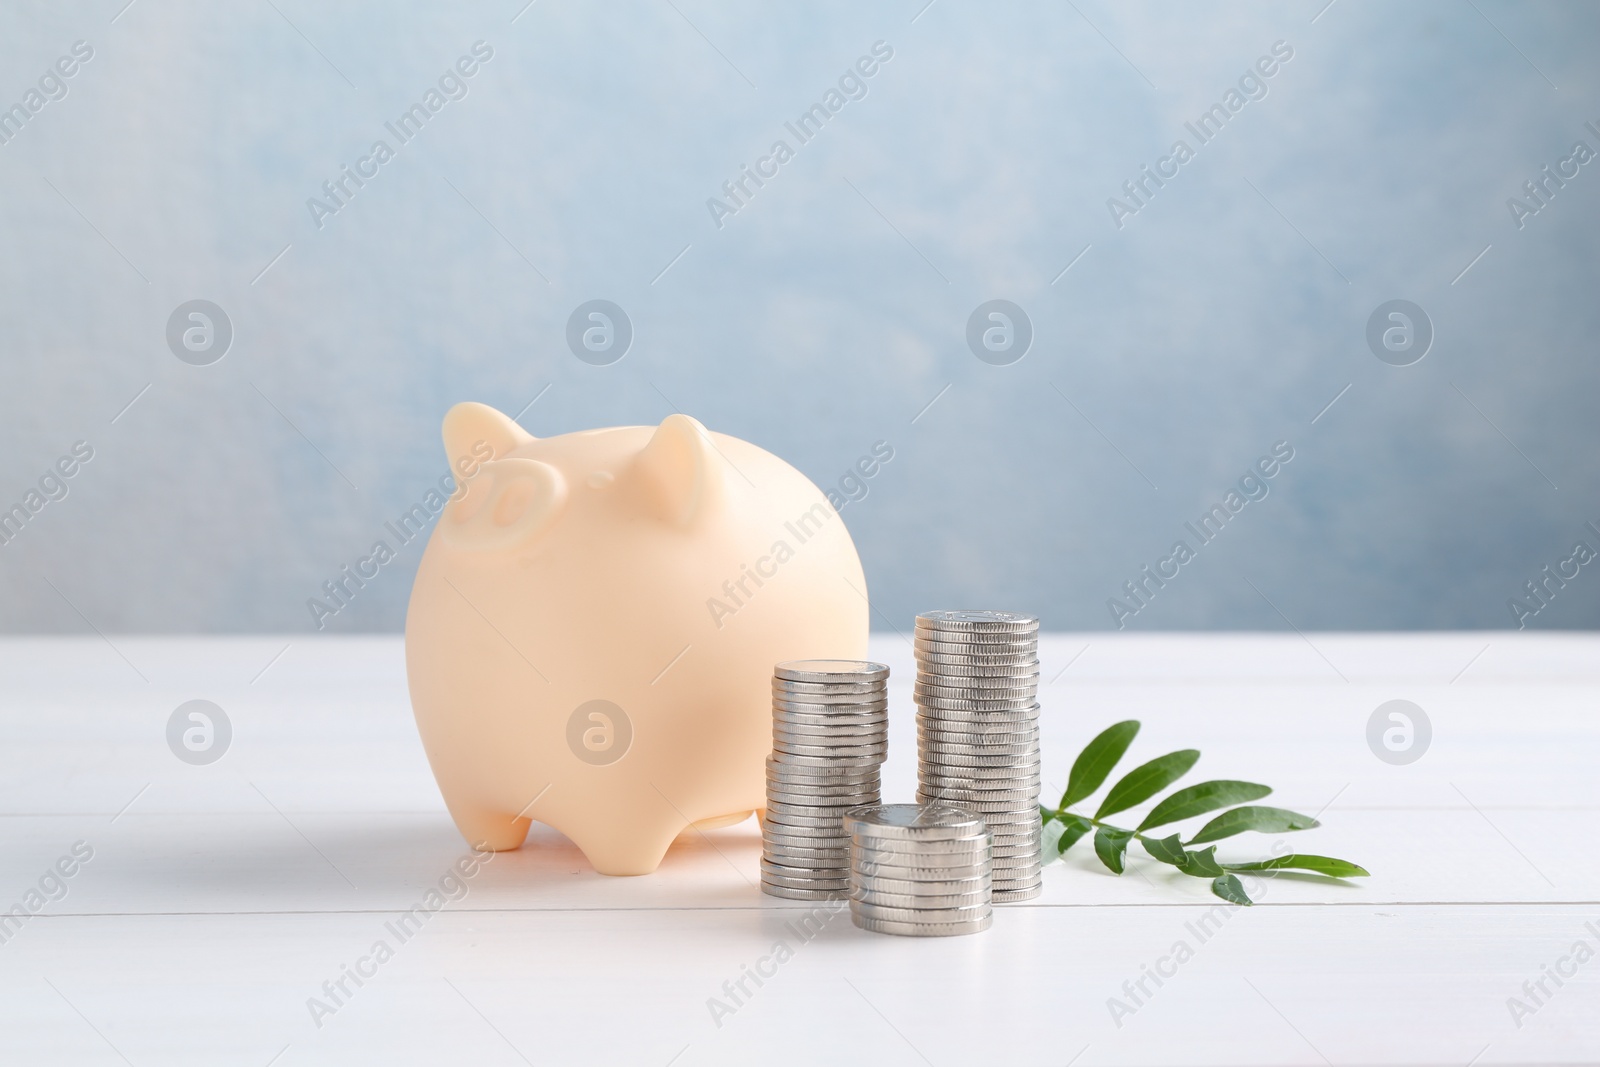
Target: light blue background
{"type": "Point", "coordinates": [829, 312]}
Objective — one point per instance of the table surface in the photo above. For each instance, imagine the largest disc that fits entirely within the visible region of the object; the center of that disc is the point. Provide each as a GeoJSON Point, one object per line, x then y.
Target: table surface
{"type": "Point", "coordinates": [219, 899]}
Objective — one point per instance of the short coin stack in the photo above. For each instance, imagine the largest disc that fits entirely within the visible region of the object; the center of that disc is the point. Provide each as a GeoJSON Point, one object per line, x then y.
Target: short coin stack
{"type": "Point", "coordinates": [978, 732]}
{"type": "Point", "coordinates": [921, 870]}
{"type": "Point", "coordinates": [830, 733]}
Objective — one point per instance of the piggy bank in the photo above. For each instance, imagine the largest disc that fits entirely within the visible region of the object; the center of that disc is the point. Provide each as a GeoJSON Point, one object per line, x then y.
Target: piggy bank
{"type": "Point", "coordinates": [591, 635]}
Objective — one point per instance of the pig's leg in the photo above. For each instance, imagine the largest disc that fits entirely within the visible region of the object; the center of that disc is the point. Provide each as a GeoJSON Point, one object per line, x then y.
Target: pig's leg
{"type": "Point", "coordinates": [636, 849]}
{"type": "Point", "coordinates": [485, 828]}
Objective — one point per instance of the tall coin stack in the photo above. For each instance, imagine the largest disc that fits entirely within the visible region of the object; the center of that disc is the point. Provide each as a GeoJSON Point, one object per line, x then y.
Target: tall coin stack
{"type": "Point", "coordinates": [922, 870]}
{"type": "Point", "coordinates": [830, 733]}
{"type": "Point", "coordinates": [978, 732]}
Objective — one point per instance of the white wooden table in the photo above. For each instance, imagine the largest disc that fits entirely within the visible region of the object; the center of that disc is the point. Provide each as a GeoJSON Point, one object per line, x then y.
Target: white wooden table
{"type": "Point", "coordinates": [219, 899]}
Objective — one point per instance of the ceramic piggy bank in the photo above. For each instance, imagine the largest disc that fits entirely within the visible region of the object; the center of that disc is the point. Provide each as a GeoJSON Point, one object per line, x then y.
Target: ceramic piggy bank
{"type": "Point", "coordinates": [591, 635]}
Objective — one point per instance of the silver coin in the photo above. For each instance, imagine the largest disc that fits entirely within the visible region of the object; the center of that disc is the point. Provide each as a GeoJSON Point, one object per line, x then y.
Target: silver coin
{"type": "Point", "coordinates": [823, 704]}
{"type": "Point", "coordinates": [823, 833]}
{"type": "Point", "coordinates": [936, 777]}
{"type": "Point", "coordinates": [878, 875]}
{"type": "Point", "coordinates": [949, 643]}
{"type": "Point", "coordinates": [935, 742]}
{"type": "Point", "coordinates": [974, 687]}
{"type": "Point", "coordinates": [824, 792]}
{"type": "Point", "coordinates": [919, 901]}
{"type": "Point", "coordinates": [990, 698]}
{"type": "Point", "coordinates": [790, 820]}
{"type": "Point", "coordinates": [811, 768]}
{"type": "Point", "coordinates": [830, 670]}
{"type": "Point", "coordinates": [977, 716]}
{"type": "Point", "coordinates": [829, 744]}
{"type": "Point", "coordinates": [784, 685]}
{"type": "Point", "coordinates": [803, 763]}
{"type": "Point", "coordinates": [1008, 815]}
{"type": "Point", "coordinates": [805, 786]}
{"type": "Point", "coordinates": [813, 850]}
{"type": "Point", "coordinates": [966, 733]}
{"type": "Point", "coordinates": [909, 887]}
{"type": "Point", "coordinates": [876, 911]}
{"type": "Point", "coordinates": [1021, 767]}
{"type": "Point", "coordinates": [831, 698]}
{"type": "Point", "coordinates": [826, 750]}
{"type": "Point", "coordinates": [789, 855]}
{"type": "Point", "coordinates": [995, 722]}
{"type": "Point", "coordinates": [1023, 793]}
{"type": "Point", "coordinates": [949, 883]}
{"type": "Point", "coordinates": [781, 808]}
{"type": "Point", "coordinates": [796, 873]}
{"type": "Point", "coordinates": [1017, 866]}
{"type": "Point", "coordinates": [935, 662]}
{"type": "Point", "coordinates": [1023, 876]}
{"type": "Point", "coordinates": [922, 929]}
{"type": "Point", "coordinates": [791, 711]}
{"type": "Point", "coordinates": [1015, 842]}
{"type": "Point", "coordinates": [1028, 806]}
{"type": "Point", "coordinates": [1012, 896]}
{"type": "Point", "coordinates": [978, 619]}
{"type": "Point", "coordinates": [841, 727]}
{"type": "Point", "coordinates": [1013, 725]}
{"type": "Point", "coordinates": [977, 844]}
{"type": "Point", "coordinates": [811, 858]}
{"type": "Point", "coordinates": [957, 642]}
{"type": "Point", "coordinates": [842, 724]}
{"type": "Point", "coordinates": [832, 887]}
{"type": "Point", "coordinates": [976, 755]}
{"type": "Point", "coordinates": [792, 893]}
{"type": "Point", "coordinates": [842, 716]}
{"type": "Point", "coordinates": [781, 834]}
{"type": "Point", "coordinates": [923, 822]}
{"type": "Point", "coordinates": [799, 870]}
{"type": "Point", "coordinates": [800, 773]}
{"type": "Point", "coordinates": [926, 795]}
{"type": "Point", "coordinates": [845, 735]}
{"type": "Point", "coordinates": [868, 862]}
{"type": "Point", "coordinates": [795, 851]}
{"type": "Point", "coordinates": [1016, 850]}
{"type": "Point", "coordinates": [1016, 675]}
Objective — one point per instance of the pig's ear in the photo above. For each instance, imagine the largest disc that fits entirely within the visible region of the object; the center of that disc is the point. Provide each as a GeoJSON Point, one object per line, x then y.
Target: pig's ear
{"type": "Point", "coordinates": [681, 470]}
{"type": "Point", "coordinates": [506, 505]}
{"type": "Point", "coordinates": [474, 433]}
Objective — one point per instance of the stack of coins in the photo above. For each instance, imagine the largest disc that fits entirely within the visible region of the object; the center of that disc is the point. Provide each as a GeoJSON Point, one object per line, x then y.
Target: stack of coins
{"type": "Point", "coordinates": [978, 732]}
{"type": "Point", "coordinates": [919, 869]}
{"type": "Point", "coordinates": [830, 733]}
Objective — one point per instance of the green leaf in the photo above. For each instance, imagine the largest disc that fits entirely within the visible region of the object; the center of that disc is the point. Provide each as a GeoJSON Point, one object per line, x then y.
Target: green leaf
{"type": "Point", "coordinates": [1165, 849]}
{"type": "Point", "coordinates": [1146, 780]}
{"type": "Point", "coordinates": [1110, 845]}
{"type": "Point", "coordinates": [1046, 814]}
{"type": "Point", "coordinates": [1097, 759]}
{"type": "Point", "coordinates": [1074, 827]}
{"type": "Point", "coordinates": [1202, 864]}
{"type": "Point", "coordinates": [1301, 861]}
{"type": "Point", "coordinates": [1201, 798]}
{"type": "Point", "coordinates": [1228, 888]}
{"type": "Point", "coordinates": [1262, 819]}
